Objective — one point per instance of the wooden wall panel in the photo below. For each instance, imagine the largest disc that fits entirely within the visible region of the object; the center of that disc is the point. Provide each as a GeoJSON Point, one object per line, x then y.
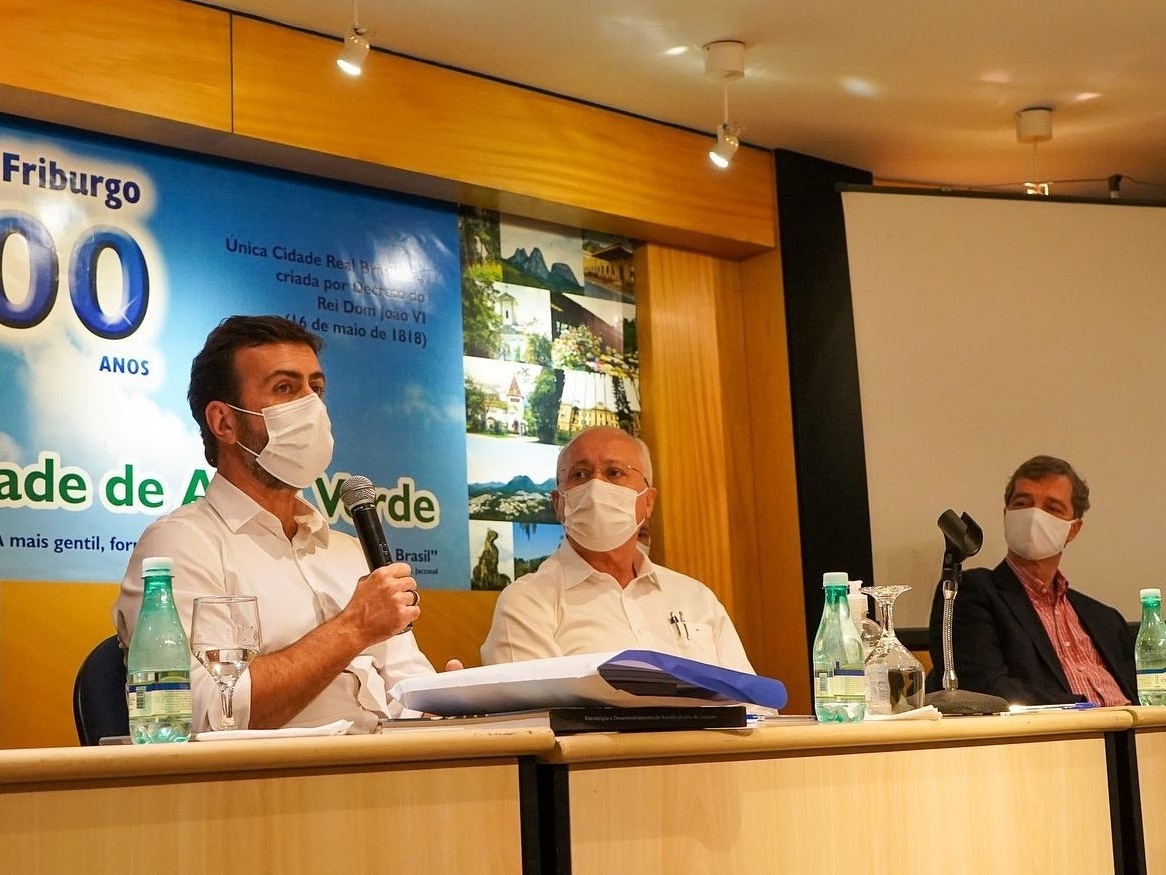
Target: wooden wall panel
{"type": "Point", "coordinates": [715, 388]}
{"type": "Point", "coordinates": [689, 329]}
{"type": "Point", "coordinates": [453, 625]}
{"type": "Point", "coordinates": [46, 631]}
{"type": "Point", "coordinates": [679, 299]}
{"type": "Point", "coordinates": [166, 59]}
{"type": "Point", "coordinates": [468, 134]}
{"type": "Point", "coordinates": [780, 594]}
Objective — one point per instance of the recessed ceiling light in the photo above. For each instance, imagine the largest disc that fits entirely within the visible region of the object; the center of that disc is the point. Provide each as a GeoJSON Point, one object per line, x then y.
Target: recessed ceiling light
{"type": "Point", "coordinates": [858, 86]}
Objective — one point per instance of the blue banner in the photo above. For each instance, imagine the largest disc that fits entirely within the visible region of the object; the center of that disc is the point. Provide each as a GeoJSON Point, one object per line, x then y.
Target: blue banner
{"type": "Point", "coordinates": [116, 260]}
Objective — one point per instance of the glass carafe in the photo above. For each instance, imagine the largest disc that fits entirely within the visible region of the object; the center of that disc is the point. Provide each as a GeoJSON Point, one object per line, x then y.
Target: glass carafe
{"type": "Point", "coordinates": [894, 676]}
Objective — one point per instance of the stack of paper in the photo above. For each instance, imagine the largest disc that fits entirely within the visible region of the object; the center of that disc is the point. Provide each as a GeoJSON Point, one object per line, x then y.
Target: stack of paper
{"type": "Point", "coordinates": [630, 678]}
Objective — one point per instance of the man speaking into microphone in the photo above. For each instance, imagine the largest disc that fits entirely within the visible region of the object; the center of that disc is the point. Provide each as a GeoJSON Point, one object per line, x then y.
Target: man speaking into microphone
{"type": "Point", "coordinates": [336, 636]}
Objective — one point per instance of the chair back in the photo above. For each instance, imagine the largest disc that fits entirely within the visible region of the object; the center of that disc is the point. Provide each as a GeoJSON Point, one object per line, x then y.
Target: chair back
{"type": "Point", "coordinates": [99, 694]}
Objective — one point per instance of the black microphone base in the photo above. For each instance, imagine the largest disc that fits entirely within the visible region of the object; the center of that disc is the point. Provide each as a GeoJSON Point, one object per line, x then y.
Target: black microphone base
{"type": "Point", "coordinates": [966, 703]}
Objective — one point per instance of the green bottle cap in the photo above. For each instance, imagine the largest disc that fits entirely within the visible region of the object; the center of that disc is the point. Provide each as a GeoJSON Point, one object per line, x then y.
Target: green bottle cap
{"type": "Point", "coordinates": [157, 565]}
{"type": "Point", "coordinates": [1151, 592]}
{"type": "Point", "coordinates": [836, 578]}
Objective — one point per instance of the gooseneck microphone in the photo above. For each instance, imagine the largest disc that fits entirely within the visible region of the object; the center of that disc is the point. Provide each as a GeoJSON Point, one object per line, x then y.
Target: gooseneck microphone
{"type": "Point", "coordinates": [359, 497]}
{"type": "Point", "coordinates": [962, 538]}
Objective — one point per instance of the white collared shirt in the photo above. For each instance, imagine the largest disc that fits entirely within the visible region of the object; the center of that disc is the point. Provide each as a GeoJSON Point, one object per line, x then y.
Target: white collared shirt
{"type": "Point", "coordinates": [226, 544]}
{"type": "Point", "coordinates": [566, 607]}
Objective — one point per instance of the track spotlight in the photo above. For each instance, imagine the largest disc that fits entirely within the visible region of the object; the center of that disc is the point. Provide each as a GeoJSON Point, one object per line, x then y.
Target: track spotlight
{"type": "Point", "coordinates": [355, 50]}
{"type": "Point", "coordinates": [728, 139]}
{"type": "Point", "coordinates": [1035, 125]}
{"type": "Point", "coordinates": [724, 62]}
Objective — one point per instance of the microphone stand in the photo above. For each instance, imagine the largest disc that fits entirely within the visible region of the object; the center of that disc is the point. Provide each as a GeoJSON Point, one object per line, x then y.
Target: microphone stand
{"type": "Point", "coordinates": [962, 538]}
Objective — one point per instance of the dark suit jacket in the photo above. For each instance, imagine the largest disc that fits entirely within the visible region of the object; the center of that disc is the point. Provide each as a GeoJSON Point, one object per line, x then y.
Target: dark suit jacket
{"type": "Point", "coordinates": [1000, 646]}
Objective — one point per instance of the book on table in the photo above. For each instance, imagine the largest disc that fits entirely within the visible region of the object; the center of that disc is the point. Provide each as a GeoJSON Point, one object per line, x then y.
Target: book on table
{"type": "Point", "coordinates": [567, 720]}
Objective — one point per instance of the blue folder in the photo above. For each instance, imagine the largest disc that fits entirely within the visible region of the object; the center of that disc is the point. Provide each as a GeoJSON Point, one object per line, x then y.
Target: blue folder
{"type": "Point", "coordinates": [686, 678]}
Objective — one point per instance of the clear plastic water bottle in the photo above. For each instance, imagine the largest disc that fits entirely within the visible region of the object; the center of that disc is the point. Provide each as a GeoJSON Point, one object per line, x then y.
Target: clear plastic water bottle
{"type": "Point", "coordinates": [1150, 650]}
{"type": "Point", "coordinates": [869, 632]}
{"type": "Point", "coordinates": [839, 680]}
{"type": "Point", "coordinates": [158, 664]}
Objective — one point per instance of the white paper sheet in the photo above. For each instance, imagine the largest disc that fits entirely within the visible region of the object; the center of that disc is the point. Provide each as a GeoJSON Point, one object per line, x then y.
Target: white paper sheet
{"type": "Point", "coordinates": [548, 683]}
{"type": "Point", "coordinates": [338, 727]}
{"type": "Point", "coordinates": [927, 712]}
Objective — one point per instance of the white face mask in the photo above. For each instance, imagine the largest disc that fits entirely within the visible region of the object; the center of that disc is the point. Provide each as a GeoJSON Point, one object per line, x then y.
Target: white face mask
{"type": "Point", "coordinates": [601, 516]}
{"type": "Point", "coordinates": [1035, 534]}
{"type": "Point", "coordinates": [299, 440]}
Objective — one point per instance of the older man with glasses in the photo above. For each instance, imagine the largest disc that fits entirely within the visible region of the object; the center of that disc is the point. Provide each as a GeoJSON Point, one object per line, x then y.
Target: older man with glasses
{"type": "Point", "coordinates": [599, 591]}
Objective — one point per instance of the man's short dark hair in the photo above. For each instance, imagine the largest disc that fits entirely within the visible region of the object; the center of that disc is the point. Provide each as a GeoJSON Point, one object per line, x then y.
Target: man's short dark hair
{"type": "Point", "coordinates": [1040, 467]}
{"type": "Point", "coordinates": [212, 373]}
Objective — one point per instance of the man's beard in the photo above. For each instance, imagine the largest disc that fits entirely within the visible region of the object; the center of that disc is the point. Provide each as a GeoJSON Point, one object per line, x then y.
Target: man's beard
{"type": "Point", "coordinates": [255, 440]}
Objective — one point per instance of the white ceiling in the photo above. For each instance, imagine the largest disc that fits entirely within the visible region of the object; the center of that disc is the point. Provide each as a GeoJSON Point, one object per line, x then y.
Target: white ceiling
{"type": "Point", "coordinates": [916, 91]}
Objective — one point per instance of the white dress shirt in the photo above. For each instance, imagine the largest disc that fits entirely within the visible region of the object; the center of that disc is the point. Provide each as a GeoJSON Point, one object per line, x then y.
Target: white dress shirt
{"type": "Point", "coordinates": [566, 607]}
{"type": "Point", "coordinates": [226, 544]}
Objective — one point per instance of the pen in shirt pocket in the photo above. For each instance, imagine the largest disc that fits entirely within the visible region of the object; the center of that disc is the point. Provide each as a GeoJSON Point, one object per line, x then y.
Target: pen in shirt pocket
{"type": "Point", "coordinates": [676, 618]}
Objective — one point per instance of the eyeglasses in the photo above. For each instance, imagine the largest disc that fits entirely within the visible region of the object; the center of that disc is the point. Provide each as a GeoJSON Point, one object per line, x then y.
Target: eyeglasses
{"type": "Point", "coordinates": [619, 475]}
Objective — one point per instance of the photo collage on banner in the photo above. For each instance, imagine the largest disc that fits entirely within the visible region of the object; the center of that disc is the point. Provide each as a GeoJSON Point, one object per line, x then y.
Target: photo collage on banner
{"type": "Point", "coordinates": [549, 330]}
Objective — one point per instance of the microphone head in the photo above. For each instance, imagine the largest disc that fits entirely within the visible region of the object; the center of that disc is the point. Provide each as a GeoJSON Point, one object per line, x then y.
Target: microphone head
{"type": "Point", "coordinates": [962, 534]}
{"type": "Point", "coordinates": [357, 491]}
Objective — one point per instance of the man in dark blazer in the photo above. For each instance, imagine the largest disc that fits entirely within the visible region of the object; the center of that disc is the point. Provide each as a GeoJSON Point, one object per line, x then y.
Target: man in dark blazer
{"type": "Point", "coordinates": [1006, 619]}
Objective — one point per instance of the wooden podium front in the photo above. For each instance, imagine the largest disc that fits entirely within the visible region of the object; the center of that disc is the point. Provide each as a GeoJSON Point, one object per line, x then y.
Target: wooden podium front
{"type": "Point", "coordinates": [1015, 794]}
{"type": "Point", "coordinates": [417, 801]}
{"type": "Point", "coordinates": [1053, 792]}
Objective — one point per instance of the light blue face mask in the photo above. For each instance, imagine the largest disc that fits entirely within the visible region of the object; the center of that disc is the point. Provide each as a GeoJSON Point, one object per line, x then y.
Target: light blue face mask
{"type": "Point", "coordinates": [299, 440]}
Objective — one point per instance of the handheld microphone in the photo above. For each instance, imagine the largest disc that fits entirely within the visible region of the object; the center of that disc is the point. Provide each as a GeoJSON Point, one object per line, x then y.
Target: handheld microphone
{"type": "Point", "coordinates": [359, 497]}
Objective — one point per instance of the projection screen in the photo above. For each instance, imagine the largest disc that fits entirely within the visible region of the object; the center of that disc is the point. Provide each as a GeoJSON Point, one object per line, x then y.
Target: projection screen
{"type": "Point", "coordinates": [990, 330]}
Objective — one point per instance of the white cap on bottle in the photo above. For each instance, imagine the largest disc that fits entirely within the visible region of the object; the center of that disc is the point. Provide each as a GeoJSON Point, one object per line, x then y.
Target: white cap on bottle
{"type": "Point", "coordinates": [835, 578]}
{"type": "Point", "coordinates": [1151, 591]}
{"type": "Point", "coordinates": [157, 565]}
